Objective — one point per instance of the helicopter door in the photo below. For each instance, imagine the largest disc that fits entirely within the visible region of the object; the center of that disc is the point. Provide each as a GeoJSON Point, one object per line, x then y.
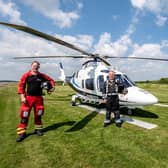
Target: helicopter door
{"type": "Point", "coordinates": [100, 83]}
{"type": "Point", "coordinates": [89, 84]}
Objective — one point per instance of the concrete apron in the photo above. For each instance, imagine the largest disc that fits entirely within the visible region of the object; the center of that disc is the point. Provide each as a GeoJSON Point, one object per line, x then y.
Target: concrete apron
{"type": "Point", "coordinates": [127, 119]}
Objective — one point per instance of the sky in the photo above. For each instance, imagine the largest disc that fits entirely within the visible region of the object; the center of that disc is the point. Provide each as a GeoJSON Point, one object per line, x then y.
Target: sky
{"type": "Point", "coordinates": [112, 27]}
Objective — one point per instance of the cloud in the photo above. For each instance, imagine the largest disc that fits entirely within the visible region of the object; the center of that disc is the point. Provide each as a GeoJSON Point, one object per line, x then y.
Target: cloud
{"type": "Point", "coordinates": [147, 69]}
{"type": "Point", "coordinates": [16, 44]}
{"type": "Point", "coordinates": [52, 10]}
{"type": "Point", "coordinates": [19, 43]}
{"type": "Point", "coordinates": [164, 44]}
{"type": "Point", "coordinates": [9, 10]}
{"type": "Point", "coordinates": [132, 26]}
{"type": "Point", "coordinates": [136, 69]}
{"type": "Point", "coordinates": [106, 46]}
{"type": "Point", "coordinates": [154, 6]}
{"type": "Point", "coordinates": [138, 3]}
{"type": "Point", "coordinates": [84, 42]}
{"type": "Point", "coordinates": [157, 7]}
{"type": "Point", "coordinates": [161, 20]}
{"type": "Point", "coordinates": [147, 50]}
{"type": "Point", "coordinates": [115, 17]}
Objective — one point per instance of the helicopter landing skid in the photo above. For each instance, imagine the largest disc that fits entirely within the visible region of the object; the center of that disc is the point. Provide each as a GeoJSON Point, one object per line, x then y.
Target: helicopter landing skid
{"type": "Point", "coordinates": [74, 100]}
{"type": "Point", "coordinates": [85, 100]}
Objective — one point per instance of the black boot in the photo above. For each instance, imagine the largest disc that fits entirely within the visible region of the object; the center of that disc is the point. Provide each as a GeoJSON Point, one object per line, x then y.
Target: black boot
{"type": "Point", "coordinates": [106, 123]}
{"type": "Point", "coordinates": [118, 123]}
{"type": "Point", "coordinates": [21, 137]}
{"type": "Point", "coordinates": [39, 132]}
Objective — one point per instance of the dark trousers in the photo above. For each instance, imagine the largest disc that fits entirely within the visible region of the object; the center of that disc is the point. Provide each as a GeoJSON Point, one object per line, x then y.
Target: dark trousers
{"type": "Point", "coordinates": [112, 105]}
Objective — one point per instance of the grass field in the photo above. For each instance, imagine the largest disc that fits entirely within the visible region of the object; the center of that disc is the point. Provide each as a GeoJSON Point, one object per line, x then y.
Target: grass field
{"type": "Point", "coordinates": [75, 137]}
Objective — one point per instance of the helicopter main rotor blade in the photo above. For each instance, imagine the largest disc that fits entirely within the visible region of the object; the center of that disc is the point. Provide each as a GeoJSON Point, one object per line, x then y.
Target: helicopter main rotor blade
{"type": "Point", "coordinates": [45, 36]}
{"type": "Point", "coordinates": [105, 61]}
{"type": "Point", "coordinates": [54, 56]}
{"type": "Point", "coordinates": [142, 58]}
{"type": "Point", "coordinates": [63, 56]}
{"type": "Point", "coordinates": [53, 39]}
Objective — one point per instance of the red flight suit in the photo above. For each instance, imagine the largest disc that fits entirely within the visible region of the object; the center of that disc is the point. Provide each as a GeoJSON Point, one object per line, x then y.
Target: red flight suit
{"type": "Point", "coordinates": [30, 86]}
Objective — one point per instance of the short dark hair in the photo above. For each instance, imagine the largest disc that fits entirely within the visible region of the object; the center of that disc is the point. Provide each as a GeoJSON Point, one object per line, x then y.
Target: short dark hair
{"type": "Point", "coordinates": [35, 62]}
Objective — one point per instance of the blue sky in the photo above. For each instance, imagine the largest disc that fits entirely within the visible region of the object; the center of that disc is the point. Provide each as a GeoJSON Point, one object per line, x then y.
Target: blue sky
{"type": "Point", "coordinates": [114, 27]}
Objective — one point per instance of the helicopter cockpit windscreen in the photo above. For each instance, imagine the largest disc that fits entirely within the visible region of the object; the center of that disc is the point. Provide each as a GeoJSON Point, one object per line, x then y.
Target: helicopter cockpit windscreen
{"type": "Point", "coordinates": [124, 80]}
{"type": "Point", "coordinates": [128, 79]}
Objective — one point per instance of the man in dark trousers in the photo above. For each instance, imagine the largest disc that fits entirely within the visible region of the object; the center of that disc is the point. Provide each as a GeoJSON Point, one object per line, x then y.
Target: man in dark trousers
{"type": "Point", "coordinates": [30, 89]}
{"type": "Point", "coordinates": [111, 89]}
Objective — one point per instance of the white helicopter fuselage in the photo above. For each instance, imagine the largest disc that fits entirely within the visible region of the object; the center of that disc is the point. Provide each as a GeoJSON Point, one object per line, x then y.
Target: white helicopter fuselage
{"type": "Point", "coordinates": [88, 83]}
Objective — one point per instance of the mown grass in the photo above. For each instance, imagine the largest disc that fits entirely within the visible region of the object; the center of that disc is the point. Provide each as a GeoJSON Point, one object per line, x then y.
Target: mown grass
{"type": "Point", "coordinates": [74, 137]}
{"type": "Point", "coordinates": [159, 90]}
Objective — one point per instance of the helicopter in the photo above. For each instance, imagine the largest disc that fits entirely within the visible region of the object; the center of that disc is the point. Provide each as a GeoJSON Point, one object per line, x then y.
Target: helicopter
{"type": "Point", "coordinates": [88, 81]}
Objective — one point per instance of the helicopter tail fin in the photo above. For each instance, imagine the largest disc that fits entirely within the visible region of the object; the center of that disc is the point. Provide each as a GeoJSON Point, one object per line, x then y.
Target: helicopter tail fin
{"type": "Point", "coordinates": [62, 76]}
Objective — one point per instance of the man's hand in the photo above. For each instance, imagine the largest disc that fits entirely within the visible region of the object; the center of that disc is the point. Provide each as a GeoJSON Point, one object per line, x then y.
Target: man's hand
{"type": "Point", "coordinates": [125, 91]}
{"type": "Point", "coordinates": [51, 90]}
{"type": "Point", "coordinates": [23, 98]}
{"type": "Point", "coordinates": [104, 101]}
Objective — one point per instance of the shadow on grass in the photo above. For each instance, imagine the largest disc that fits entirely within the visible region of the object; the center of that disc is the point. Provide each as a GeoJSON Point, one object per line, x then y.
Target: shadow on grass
{"type": "Point", "coordinates": [57, 99]}
{"type": "Point", "coordinates": [82, 123]}
{"type": "Point", "coordinates": [166, 102]}
{"type": "Point", "coordinates": [139, 113]}
{"type": "Point", "coordinates": [57, 125]}
{"type": "Point", "coordinates": [53, 127]}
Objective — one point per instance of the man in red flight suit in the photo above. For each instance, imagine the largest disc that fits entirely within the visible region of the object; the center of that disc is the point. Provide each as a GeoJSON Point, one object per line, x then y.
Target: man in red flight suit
{"type": "Point", "coordinates": [30, 89]}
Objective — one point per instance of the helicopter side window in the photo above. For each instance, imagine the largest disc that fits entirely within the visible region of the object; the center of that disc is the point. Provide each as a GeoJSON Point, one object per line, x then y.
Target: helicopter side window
{"type": "Point", "coordinates": [105, 71]}
{"type": "Point", "coordinates": [89, 84]}
{"type": "Point", "coordinates": [77, 74]}
{"type": "Point", "coordinates": [82, 83]}
{"type": "Point", "coordinates": [100, 82]}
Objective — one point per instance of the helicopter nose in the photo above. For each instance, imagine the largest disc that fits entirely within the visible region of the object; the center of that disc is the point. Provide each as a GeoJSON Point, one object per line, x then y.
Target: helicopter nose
{"type": "Point", "coordinates": [141, 97]}
{"type": "Point", "coordinates": [150, 99]}
{"type": "Point", "coordinates": [146, 98]}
